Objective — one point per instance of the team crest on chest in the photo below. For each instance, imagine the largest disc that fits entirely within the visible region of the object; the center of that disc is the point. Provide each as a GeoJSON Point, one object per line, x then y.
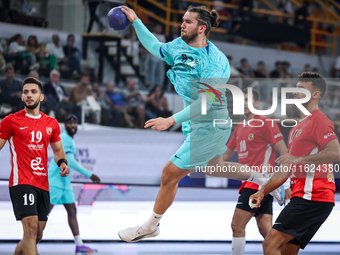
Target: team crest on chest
{"type": "Point", "coordinates": [49, 130]}
{"type": "Point", "coordinates": [250, 137]}
{"type": "Point", "coordinates": [298, 133]}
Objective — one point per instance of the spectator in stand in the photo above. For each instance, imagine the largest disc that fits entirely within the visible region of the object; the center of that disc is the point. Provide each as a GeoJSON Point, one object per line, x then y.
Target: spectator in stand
{"type": "Point", "coordinates": [135, 103]}
{"type": "Point", "coordinates": [73, 55]}
{"type": "Point", "coordinates": [81, 90]}
{"type": "Point", "coordinates": [116, 101]}
{"type": "Point", "coordinates": [156, 102]}
{"type": "Point", "coordinates": [40, 52]}
{"type": "Point", "coordinates": [174, 33]}
{"type": "Point", "coordinates": [156, 66]}
{"type": "Point", "coordinates": [285, 67]}
{"type": "Point", "coordinates": [17, 46]}
{"type": "Point", "coordinates": [336, 69]}
{"type": "Point", "coordinates": [285, 6]}
{"type": "Point", "coordinates": [245, 8]}
{"type": "Point", "coordinates": [307, 68]}
{"type": "Point", "coordinates": [34, 74]}
{"type": "Point", "coordinates": [278, 71]}
{"type": "Point", "coordinates": [17, 49]}
{"type": "Point", "coordinates": [300, 16]}
{"type": "Point", "coordinates": [57, 103]}
{"type": "Point", "coordinates": [2, 59]}
{"type": "Point", "coordinates": [233, 71]}
{"type": "Point", "coordinates": [56, 49]}
{"type": "Point", "coordinates": [315, 70]}
{"type": "Point", "coordinates": [17, 8]}
{"type": "Point", "coordinates": [79, 96]}
{"type": "Point", "coordinates": [246, 69]}
{"type": "Point", "coordinates": [261, 70]}
{"type": "Point", "coordinates": [10, 90]}
{"type": "Point", "coordinates": [109, 116]}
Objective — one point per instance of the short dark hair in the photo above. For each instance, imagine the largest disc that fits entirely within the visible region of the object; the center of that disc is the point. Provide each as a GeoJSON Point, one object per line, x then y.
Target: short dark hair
{"type": "Point", "coordinates": [9, 67]}
{"type": "Point", "coordinates": [255, 93]}
{"type": "Point", "coordinates": [70, 35]}
{"type": "Point", "coordinates": [71, 117]}
{"type": "Point", "coordinates": [205, 17]}
{"type": "Point", "coordinates": [32, 80]}
{"type": "Point", "coordinates": [318, 82]}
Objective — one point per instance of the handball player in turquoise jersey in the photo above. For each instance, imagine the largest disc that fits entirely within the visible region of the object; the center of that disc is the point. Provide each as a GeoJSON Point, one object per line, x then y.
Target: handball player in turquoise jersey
{"type": "Point", "coordinates": [61, 191]}
{"type": "Point", "coordinates": [196, 65]}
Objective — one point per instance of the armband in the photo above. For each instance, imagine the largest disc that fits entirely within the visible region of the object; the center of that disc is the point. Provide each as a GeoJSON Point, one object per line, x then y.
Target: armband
{"type": "Point", "coordinates": [62, 160]}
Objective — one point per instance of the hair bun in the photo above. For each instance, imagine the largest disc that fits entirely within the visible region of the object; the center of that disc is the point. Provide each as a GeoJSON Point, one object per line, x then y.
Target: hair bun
{"type": "Point", "coordinates": [214, 18]}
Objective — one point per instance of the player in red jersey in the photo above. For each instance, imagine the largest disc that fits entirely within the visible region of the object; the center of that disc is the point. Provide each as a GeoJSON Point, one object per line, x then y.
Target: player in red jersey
{"type": "Point", "coordinates": [312, 147]}
{"type": "Point", "coordinates": [29, 133]}
{"type": "Point", "coordinates": [256, 139]}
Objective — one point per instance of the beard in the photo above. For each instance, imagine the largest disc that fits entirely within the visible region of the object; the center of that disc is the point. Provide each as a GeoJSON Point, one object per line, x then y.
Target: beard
{"type": "Point", "coordinates": [71, 131]}
{"type": "Point", "coordinates": [33, 106]}
{"type": "Point", "coordinates": [188, 38]}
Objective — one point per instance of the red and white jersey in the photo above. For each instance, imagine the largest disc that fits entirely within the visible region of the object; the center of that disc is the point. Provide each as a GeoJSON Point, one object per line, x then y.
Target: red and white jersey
{"type": "Point", "coordinates": [29, 137]}
{"type": "Point", "coordinates": [254, 145]}
{"type": "Point", "coordinates": [308, 137]}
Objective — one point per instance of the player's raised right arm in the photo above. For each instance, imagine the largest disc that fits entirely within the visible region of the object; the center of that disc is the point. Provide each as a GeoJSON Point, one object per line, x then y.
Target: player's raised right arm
{"type": "Point", "coordinates": [149, 41]}
{"type": "Point", "coordinates": [2, 143]}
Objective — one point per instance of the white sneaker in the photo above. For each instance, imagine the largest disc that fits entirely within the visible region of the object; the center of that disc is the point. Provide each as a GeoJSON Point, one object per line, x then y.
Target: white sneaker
{"type": "Point", "coordinates": [136, 234]}
{"type": "Point", "coordinates": [279, 194]}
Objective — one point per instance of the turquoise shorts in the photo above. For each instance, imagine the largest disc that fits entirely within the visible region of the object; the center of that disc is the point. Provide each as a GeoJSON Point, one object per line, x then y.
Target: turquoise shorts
{"type": "Point", "coordinates": [203, 143]}
{"type": "Point", "coordinates": [61, 196]}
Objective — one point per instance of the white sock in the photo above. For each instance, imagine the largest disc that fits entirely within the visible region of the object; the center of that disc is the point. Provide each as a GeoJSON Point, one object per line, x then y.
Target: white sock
{"type": "Point", "coordinates": [257, 178]}
{"type": "Point", "coordinates": [237, 245]}
{"type": "Point", "coordinates": [152, 222]}
{"type": "Point", "coordinates": [78, 240]}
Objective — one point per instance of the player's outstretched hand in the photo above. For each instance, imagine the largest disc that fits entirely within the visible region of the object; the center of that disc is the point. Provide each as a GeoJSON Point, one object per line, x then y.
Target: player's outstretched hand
{"type": "Point", "coordinates": [130, 14]}
{"type": "Point", "coordinates": [65, 170]}
{"type": "Point", "coordinates": [257, 198]}
{"type": "Point", "coordinates": [160, 123]}
{"type": "Point", "coordinates": [95, 178]}
{"type": "Point", "coordinates": [288, 192]}
{"type": "Point", "coordinates": [287, 159]}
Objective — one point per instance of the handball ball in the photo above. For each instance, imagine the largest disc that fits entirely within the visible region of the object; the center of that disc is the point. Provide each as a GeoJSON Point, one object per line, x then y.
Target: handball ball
{"type": "Point", "coordinates": [117, 20]}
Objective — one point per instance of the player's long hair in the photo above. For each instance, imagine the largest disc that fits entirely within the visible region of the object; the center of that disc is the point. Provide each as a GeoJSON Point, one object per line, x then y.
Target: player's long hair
{"type": "Point", "coordinates": [204, 17]}
{"type": "Point", "coordinates": [317, 80]}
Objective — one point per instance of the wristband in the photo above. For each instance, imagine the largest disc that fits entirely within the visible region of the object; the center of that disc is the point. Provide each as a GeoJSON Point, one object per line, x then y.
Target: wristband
{"type": "Point", "coordinates": [62, 160]}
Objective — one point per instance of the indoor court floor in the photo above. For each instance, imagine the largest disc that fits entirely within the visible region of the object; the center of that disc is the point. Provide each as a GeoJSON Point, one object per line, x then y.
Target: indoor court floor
{"type": "Point", "coordinates": [165, 248]}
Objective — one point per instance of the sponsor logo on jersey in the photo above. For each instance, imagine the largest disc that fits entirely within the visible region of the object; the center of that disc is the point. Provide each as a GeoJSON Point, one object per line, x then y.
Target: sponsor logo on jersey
{"type": "Point", "coordinates": [250, 137]}
{"type": "Point", "coordinates": [298, 133]}
{"type": "Point", "coordinates": [49, 130]}
{"type": "Point", "coordinates": [330, 177]}
{"type": "Point", "coordinates": [35, 164]}
{"type": "Point", "coordinates": [36, 147]}
{"type": "Point", "coordinates": [243, 155]}
{"type": "Point", "coordinates": [191, 63]}
{"type": "Point", "coordinates": [328, 135]}
{"type": "Point", "coordinates": [277, 135]}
